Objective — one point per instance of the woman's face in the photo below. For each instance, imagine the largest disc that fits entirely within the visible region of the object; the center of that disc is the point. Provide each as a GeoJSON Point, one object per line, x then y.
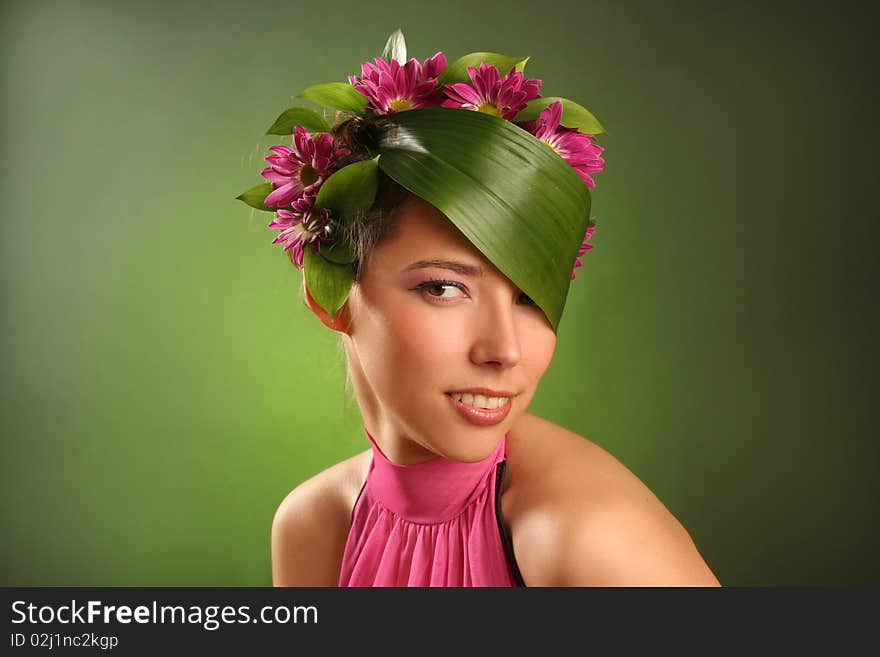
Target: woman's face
{"type": "Point", "coordinates": [432, 315]}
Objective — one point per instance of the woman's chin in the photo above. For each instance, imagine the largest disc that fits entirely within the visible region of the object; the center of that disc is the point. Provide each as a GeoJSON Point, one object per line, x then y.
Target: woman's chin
{"type": "Point", "coordinates": [467, 444]}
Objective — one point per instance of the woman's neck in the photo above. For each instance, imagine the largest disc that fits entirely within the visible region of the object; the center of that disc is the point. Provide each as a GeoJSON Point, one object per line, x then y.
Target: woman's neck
{"type": "Point", "coordinates": [394, 442]}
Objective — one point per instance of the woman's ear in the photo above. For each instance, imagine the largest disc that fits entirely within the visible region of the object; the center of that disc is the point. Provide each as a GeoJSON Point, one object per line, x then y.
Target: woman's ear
{"type": "Point", "coordinates": [340, 322]}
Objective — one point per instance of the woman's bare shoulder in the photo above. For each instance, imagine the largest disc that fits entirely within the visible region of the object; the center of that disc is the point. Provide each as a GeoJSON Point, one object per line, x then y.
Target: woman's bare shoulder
{"type": "Point", "coordinates": [311, 525]}
{"type": "Point", "coordinates": [580, 517]}
{"type": "Point", "coordinates": [546, 459]}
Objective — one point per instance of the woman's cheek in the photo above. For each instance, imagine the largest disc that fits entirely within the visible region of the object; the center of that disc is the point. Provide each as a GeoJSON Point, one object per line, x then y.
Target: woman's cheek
{"type": "Point", "coordinates": [449, 344]}
{"type": "Point", "coordinates": [545, 354]}
{"type": "Point", "coordinates": [416, 345]}
{"type": "Point", "coordinates": [426, 335]}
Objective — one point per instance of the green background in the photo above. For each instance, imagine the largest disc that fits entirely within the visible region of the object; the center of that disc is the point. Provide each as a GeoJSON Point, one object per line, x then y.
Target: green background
{"type": "Point", "coordinates": [164, 387]}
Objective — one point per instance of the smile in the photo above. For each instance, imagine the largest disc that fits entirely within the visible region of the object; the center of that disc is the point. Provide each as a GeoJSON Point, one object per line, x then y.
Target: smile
{"type": "Point", "coordinates": [477, 415]}
{"type": "Point", "coordinates": [480, 401]}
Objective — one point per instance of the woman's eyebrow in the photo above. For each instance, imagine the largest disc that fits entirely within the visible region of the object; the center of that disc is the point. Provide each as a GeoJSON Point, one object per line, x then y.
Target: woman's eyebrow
{"type": "Point", "coordinates": [453, 265]}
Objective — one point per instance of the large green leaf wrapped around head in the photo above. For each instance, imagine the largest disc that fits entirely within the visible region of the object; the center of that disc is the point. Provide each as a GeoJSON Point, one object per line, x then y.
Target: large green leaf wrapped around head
{"type": "Point", "coordinates": [510, 194]}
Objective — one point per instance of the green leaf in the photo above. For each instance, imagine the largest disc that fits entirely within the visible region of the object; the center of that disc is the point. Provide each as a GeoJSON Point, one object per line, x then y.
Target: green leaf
{"type": "Point", "coordinates": [573, 115]}
{"type": "Point", "coordinates": [517, 201]}
{"type": "Point", "coordinates": [338, 252]}
{"type": "Point", "coordinates": [308, 119]}
{"type": "Point", "coordinates": [521, 65]}
{"type": "Point", "coordinates": [395, 47]}
{"type": "Point", "coordinates": [457, 70]}
{"type": "Point", "coordinates": [349, 190]}
{"type": "Point", "coordinates": [336, 95]}
{"type": "Point", "coordinates": [255, 196]}
{"type": "Point", "coordinates": [329, 283]}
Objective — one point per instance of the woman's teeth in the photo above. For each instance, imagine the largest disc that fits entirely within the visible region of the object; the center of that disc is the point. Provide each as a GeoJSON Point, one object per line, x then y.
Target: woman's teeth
{"type": "Point", "coordinates": [480, 401]}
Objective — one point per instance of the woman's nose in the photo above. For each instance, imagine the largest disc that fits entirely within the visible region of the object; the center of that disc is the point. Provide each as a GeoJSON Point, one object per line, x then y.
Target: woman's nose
{"type": "Point", "coordinates": [496, 339]}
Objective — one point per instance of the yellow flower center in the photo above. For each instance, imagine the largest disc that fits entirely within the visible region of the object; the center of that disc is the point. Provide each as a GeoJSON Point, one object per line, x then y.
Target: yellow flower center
{"type": "Point", "coordinates": [400, 105]}
{"type": "Point", "coordinates": [308, 228]}
{"type": "Point", "coordinates": [307, 174]}
{"type": "Point", "coordinates": [489, 108]}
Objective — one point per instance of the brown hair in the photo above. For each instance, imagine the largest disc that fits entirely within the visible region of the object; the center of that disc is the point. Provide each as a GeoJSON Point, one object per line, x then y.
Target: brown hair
{"type": "Point", "coordinates": [376, 224]}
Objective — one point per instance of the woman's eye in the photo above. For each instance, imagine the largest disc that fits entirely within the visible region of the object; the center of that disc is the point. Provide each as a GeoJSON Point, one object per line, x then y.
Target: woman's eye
{"type": "Point", "coordinates": [448, 290]}
{"type": "Point", "coordinates": [440, 289]}
{"type": "Point", "coordinates": [527, 299]}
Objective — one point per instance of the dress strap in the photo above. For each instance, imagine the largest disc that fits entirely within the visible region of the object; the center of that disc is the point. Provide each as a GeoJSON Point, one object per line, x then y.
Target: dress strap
{"type": "Point", "coordinates": [506, 540]}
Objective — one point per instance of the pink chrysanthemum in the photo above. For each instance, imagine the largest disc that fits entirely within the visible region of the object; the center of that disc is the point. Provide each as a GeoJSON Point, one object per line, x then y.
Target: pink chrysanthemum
{"type": "Point", "coordinates": [300, 170]}
{"type": "Point", "coordinates": [391, 87]}
{"type": "Point", "coordinates": [505, 97]}
{"type": "Point", "coordinates": [583, 249]}
{"type": "Point", "coordinates": [577, 148]}
{"type": "Point", "coordinates": [302, 226]}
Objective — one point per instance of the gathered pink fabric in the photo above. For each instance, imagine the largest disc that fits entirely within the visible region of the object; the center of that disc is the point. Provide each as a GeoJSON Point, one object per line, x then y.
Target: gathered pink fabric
{"type": "Point", "coordinates": [429, 524]}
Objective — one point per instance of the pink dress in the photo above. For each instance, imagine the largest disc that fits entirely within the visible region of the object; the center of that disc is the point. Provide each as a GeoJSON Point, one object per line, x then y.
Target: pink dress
{"type": "Point", "coordinates": [435, 523]}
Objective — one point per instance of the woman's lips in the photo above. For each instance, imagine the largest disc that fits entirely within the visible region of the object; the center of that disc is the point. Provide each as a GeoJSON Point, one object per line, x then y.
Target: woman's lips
{"type": "Point", "coordinates": [481, 416]}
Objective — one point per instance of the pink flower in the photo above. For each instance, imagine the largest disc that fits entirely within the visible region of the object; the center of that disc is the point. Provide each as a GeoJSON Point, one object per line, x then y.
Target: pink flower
{"type": "Point", "coordinates": [300, 170]}
{"type": "Point", "coordinates": [391, 87]}
{"type": "Point", "coordinates": [584, 248]}
{"type": "Point", "coordinates": [302, 226]}
{"type": "Point", "coordinates": [504, 97]}
{"type": "Point", "coordinates": [576, 147]}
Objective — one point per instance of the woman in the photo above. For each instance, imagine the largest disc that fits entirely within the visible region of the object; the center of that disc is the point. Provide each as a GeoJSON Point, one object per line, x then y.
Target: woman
{"type": "Point", "coordinates": [576, 515]}
{"type": "Point", "coordinates": [438, 235]}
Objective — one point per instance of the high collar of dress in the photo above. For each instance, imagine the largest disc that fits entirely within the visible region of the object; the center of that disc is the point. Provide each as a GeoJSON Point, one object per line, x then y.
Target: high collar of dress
{"type": "Point", "coordinates": [432, 491]}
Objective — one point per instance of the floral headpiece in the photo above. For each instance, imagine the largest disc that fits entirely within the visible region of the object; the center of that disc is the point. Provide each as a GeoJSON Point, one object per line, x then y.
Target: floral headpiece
{"type": "Point", "coordinates": [510, 168]}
